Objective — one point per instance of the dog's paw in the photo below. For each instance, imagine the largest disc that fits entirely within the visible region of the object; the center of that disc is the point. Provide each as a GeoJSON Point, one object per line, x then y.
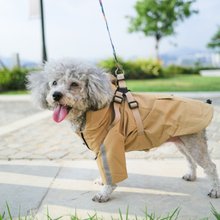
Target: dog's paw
{"type": "Point", "coordinates": [215, 193]}
{"type": "Point", "coordinates": [98, 181]}
{"type": "Point", "coordinates": [189, 177]}
{"type": "Point", "coordinates": [99, 197]}
{"type": "Point", "coordinates": [104, 194]}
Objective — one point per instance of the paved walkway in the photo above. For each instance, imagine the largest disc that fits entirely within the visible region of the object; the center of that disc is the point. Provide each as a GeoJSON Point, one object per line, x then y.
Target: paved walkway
{"type": "Point", "coordinates": [27, 133]}
{"type": "Point", "coordinates": [66, 187]}
{"type": "Point", "coordinates": [45, 165]}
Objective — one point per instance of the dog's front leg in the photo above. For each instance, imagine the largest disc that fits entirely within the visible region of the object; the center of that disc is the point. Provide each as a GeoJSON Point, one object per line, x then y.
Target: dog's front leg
{"type": "Point", "coordinates": [98, 181]}
{"type": "Point", "coordinates": [105, 193]}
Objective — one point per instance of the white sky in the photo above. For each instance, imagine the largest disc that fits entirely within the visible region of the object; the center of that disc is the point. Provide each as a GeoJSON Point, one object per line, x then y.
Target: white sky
{"type": "Point", "coordinates": [75, 28]}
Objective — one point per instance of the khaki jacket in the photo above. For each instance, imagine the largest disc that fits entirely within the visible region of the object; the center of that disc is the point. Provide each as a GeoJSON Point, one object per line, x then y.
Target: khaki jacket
{"type": "Point", "coordinates": [163, 116]}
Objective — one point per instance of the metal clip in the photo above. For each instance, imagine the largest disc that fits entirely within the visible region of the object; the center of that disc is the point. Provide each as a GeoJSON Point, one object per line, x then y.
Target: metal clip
{"type": "Point", "coordinates": [118, 71]}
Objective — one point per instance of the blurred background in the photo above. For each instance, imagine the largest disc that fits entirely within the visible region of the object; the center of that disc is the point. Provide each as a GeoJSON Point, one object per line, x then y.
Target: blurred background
{"type": "Point", "coordinates": [154, 39]}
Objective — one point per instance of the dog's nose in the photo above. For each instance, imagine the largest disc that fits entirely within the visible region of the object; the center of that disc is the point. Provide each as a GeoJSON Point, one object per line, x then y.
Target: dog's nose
{"type": "Point", "coordinates": [57, 96]}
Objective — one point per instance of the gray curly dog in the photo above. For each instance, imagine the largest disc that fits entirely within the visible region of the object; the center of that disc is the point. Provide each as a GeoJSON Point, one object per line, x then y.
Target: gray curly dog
{"type": "Point", "coordinates": [72, 89]}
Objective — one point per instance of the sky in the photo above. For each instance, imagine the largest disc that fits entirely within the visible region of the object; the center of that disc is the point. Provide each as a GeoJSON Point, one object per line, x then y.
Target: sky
{"type": "Point", "coordinates": [76, 29]}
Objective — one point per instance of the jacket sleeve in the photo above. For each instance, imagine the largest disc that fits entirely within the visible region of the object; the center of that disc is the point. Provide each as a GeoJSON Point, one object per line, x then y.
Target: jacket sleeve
{"type": "Point", "coordinates": [111, 158]}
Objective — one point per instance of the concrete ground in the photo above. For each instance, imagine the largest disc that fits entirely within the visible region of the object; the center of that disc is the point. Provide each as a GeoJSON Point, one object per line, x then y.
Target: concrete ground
{"type": "Point", "coordinates": [65, 187]}
{"type": "Point", "coordinates": [44, 165]}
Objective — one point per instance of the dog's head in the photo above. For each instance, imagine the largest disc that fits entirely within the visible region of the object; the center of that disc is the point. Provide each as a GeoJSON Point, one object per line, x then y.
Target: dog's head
{"type": "Point", "coordinates": [69, 86]}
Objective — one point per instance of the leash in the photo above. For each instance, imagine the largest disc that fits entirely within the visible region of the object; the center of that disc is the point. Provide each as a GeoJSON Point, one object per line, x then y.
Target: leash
{"type": "Point", "coordinates": [118, 65]}
{"type": "Point", "coordinates": [122, 91]}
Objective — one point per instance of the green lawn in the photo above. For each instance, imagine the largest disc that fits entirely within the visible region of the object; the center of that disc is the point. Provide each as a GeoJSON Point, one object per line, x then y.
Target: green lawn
{"type": "Point", "coordinates": [19, 92]}
{"type": "Point", "coordinates": [178, 83]}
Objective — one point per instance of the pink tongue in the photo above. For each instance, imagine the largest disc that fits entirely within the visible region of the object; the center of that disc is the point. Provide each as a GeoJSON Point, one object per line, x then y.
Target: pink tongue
{"type": "Point", "coordinates": [60, 112]}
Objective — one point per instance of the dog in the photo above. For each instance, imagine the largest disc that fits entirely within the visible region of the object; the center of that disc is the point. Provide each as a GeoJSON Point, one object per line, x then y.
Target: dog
{"type": "Point", "coordinates": [83, 94]}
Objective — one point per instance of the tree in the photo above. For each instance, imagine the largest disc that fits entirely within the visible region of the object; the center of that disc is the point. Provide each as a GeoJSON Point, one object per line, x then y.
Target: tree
{"type": "Point", "coordinates": [215, 41]}
{"type": "Point", "coordinates": [158, 18]}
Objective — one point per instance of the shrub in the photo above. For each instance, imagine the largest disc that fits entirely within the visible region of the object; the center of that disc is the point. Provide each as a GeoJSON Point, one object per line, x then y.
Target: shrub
{"type": "Point", "coordinates": [137, 69]}
{"type": "Point", "coordinates": [145, 69]}
{"type": "Point", "coordinates": [13, 79]}
{"type": "Point", "coordinates": [173, 70]}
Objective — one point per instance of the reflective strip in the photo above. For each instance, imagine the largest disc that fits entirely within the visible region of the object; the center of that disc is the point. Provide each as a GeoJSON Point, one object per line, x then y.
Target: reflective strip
{"type": "Point", "coordinates": [105, 165]}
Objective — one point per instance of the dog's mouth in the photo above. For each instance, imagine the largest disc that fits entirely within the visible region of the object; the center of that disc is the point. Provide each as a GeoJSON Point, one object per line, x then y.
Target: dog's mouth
{"type": "Point", "coordinates": [60, 112]}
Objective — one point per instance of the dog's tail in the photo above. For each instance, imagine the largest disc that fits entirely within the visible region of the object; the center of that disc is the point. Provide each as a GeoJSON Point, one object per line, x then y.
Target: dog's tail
{"type": "Point", "coordinates": [209, 101]}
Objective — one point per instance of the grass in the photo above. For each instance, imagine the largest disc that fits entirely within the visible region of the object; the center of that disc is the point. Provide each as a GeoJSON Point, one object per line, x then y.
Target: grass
{"type": "Point", "coordinates": [178, 83]}
{"type": "Point", "coordinates": [170, 216]}
{"type": "Point", "coordinates": [18, 92]}
{"type": "Point", "coordinates": [185, 83]}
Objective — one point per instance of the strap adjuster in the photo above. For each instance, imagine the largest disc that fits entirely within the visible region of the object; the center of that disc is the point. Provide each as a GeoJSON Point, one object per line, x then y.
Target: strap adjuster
{"type": "Point", "coordinates": [133, 104]}
{"type": "Point", "coordinates": [120, 77]}
{"type": "Point", "coordinates": [118, 99]}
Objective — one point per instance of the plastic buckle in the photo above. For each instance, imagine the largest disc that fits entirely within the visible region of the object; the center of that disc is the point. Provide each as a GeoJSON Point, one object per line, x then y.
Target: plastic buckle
{"type": "Point", "coordinates": [120, 77]}
{"type": "Point", "coordinates": [123, 90]}
{"type": "Point", "coordinates": [133, 104]}
{"type": "Point", "coordinates": [118, 99]}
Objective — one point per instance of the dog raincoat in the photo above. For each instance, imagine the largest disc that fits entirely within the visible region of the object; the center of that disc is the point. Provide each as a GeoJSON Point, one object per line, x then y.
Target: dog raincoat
{"type": "Point", "coordinates": [163, 116]}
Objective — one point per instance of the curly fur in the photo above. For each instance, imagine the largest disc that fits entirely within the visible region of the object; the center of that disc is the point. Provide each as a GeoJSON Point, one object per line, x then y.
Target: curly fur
{"type": "Point", "coordinates": [86, 87]}
{"type": "Point", "coordinates": [94, 90]}
{"type": "Point", "coordinates": [38, 84]}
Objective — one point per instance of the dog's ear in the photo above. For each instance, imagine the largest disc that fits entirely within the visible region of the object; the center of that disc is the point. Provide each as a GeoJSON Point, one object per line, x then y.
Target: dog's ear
{"type": "Point", "coordinates": [37, 83]}
{"type": "Point", "coordinates": [99, 89]}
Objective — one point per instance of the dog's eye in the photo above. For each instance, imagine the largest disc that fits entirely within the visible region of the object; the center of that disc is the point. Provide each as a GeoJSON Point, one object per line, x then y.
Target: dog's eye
{"type": "Point", "coordinates": [54, 83]}
{"type": "Point", "coordinates": [74, 84]}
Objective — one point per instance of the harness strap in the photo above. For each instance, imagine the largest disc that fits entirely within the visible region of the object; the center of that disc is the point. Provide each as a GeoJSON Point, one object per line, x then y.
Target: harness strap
{"type": "Point", "coordinates": [117, 100]}
{"type": "Point", "coordinates": [121, 81]}
{"type": "Point", "coordinates": [120, 94]}
{"type": "Point", "coordinates": [133, 105]}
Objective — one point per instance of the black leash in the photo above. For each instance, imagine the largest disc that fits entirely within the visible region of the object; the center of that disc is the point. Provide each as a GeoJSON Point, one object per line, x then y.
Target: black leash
{"type": "Point", "coordinates": [118, 65]}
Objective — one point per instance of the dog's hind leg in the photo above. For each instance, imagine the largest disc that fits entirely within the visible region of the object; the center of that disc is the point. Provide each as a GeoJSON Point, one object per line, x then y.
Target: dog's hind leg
{"type": "Point", "coordinates": [196, 146]}
{"type": "Point", "coordinates": [191, 174]}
